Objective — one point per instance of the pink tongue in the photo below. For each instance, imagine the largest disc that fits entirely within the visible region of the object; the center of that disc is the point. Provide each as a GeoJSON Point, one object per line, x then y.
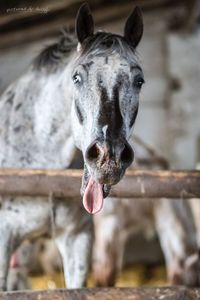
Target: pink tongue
{"type": "Point", "coordinates": [93, 197]}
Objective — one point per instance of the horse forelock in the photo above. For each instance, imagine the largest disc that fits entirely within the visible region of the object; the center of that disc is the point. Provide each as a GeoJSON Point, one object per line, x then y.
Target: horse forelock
{"type": "Point", "coordinates": [105, 44]}
{"type": "Point", "coordinates": [52, 57]}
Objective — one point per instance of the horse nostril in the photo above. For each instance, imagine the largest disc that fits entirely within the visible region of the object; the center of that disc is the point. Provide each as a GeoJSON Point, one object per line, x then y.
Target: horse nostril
{"type": "Point", "coordinates": [96, 152]}
{"type": "Point", "coordinates": [127, 155]}
{"type": "Point", "coordinates": [92, 152]}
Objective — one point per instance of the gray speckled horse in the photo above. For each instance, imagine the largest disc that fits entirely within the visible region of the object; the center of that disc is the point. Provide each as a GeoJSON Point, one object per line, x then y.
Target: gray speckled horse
{"type": "Point", "coordinates": [85, 96]}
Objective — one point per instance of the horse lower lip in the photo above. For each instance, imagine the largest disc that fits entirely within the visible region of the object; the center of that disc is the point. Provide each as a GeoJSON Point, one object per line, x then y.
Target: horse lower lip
{"type": "Point", "coordinates": [106, 190]}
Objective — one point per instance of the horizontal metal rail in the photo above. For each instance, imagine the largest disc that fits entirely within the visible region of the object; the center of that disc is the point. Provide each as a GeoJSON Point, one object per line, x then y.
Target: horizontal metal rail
{"type": "Point", "coordinates": [67, 183]}
{"type": "Point", "coordinates": [107, 294]}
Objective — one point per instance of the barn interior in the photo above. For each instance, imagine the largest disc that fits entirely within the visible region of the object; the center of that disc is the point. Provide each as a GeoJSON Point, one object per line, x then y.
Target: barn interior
{"type": "Point", "coordinates": [167, 130]}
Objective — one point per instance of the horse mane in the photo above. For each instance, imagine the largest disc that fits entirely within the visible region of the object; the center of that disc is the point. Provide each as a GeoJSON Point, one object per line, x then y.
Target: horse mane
{"type": "Point", "coordinates": [100, 44]}
{"type": "Point", "coordinates": [51, 56]}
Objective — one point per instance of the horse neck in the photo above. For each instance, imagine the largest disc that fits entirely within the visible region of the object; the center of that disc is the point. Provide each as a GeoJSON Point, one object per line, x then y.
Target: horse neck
{"type": "Point", "coordinates": [52, 112]}
{"type": "Point", "coordinates": [55, 97]}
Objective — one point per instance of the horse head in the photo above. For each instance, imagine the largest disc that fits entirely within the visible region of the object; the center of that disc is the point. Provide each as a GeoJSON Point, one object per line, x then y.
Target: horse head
{"type": "Point", "coordinates": [107, 81]}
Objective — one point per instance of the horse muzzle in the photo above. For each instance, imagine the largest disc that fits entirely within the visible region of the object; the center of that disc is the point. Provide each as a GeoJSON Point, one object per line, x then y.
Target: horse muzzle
{"type": "Point", "coordinates": [107, 162]}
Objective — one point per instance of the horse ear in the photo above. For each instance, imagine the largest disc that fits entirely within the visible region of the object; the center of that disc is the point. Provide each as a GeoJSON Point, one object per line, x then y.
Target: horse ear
{"type": "Point", "coordinates": [133, 29]}
{"type": "Point", "coordinates": [84, 23]}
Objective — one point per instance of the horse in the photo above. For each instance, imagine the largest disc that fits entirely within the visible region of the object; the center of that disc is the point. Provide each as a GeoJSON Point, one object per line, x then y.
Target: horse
{"type": "Point", "coordinates": [83, 93]}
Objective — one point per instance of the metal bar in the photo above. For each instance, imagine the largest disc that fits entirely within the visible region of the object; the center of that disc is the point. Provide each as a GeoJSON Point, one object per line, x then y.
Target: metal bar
{"type": "Point", "coordinates": [66, 183]}
{"type": "Point", "coordinates": [168, 293]}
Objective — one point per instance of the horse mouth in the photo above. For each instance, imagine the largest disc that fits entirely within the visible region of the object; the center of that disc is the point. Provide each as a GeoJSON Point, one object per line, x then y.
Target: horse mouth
{"type": "Point", "coordinates": [93, 195]}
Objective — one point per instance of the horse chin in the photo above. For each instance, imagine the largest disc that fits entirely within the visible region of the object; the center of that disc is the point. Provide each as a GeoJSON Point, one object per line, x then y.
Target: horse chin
{"type": "Point", "coordinates": [106, 190]}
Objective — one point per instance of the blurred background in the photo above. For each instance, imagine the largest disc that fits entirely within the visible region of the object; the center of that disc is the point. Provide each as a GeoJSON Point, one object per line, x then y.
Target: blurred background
{"type": "Point", "coordinates": [169, 115]}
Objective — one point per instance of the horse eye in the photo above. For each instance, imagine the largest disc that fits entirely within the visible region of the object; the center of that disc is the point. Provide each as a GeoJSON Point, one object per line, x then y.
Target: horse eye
{"type": "Point", "coordinates": [138, 82]}
{"type": "Point", "coordinates": [77, 78]}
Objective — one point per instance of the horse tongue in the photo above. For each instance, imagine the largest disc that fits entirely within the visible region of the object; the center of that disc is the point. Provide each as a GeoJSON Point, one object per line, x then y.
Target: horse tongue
{"type": "Point", "coordinates": [93, 197]}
